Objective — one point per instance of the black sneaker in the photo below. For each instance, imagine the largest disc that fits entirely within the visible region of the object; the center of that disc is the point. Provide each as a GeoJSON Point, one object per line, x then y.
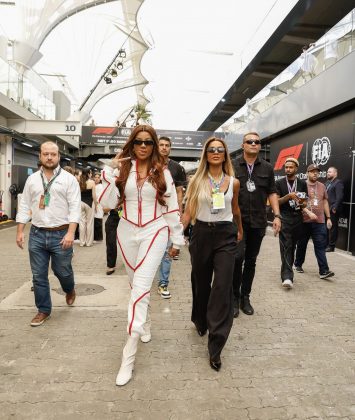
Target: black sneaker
{"type": "Point", "coordinates": [326, 274]}
{"type": "Point", "coordinates": [299, 269]}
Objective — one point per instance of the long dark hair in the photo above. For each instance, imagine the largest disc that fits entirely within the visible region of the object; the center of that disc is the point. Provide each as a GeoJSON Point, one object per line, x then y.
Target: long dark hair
{"type": "Point", "coordinates": [84, 177]}
{"type": "Point", "coordinates": [155, 169]}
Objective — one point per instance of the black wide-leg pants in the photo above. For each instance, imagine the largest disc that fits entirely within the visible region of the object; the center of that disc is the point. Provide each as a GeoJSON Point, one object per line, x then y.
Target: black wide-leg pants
{"type": "Point", "coordinates": [213, 248]}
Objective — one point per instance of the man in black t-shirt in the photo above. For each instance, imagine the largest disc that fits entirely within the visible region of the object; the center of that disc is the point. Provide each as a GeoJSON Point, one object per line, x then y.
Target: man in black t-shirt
{"type": "Point", "coordinates": [292, 193]}
{"type": "Point", "coordinates": [179, 176]}
{"type": "Point", "coordinates": [257, 185]}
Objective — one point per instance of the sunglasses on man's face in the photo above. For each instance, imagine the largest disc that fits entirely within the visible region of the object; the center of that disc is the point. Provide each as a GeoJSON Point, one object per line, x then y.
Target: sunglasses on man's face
{"type": "Point", "coordinates": [148, 142]}
{"type": "Point", "coordinates": [257, 142]}
{"type": "Point", "coordinates": [216, 149]}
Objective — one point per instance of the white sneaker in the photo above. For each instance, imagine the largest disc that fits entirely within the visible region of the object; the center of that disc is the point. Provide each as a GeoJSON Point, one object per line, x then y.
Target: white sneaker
{"type": "Point", "coordinates": [287, 284]}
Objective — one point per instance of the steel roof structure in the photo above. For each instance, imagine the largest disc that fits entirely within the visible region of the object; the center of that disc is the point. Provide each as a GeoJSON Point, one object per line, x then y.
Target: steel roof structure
{"type": "Point", "coordinates": [306, 22]}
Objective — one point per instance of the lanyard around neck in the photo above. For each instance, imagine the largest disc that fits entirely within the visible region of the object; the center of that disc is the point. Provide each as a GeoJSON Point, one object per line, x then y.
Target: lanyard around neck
{"type": "Point", "coordinates": [216, 185]}
{"type": "Point", "coordinates": [47, 186]}
{"type": "Point", "coordinates": [314, 188]}
{"type": "Point", "coordinates": [294, 186]}
{"type": "Point", "coordinates": [250, 169]}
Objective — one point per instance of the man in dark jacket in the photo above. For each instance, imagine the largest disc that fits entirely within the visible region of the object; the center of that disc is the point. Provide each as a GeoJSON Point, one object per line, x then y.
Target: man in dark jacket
{"type": "Point", "coordinates": [335, 190]}
{"type": "Point", "coordinates": [257, 185]}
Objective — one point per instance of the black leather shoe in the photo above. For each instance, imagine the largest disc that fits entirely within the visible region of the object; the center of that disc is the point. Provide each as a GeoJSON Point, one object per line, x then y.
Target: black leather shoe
{"type": "Point", "coordinates": [245, 305]}
{"type": "Point", "coordinates": [216, 364]}
{"type": "Point", "coordinates": [329, 249]}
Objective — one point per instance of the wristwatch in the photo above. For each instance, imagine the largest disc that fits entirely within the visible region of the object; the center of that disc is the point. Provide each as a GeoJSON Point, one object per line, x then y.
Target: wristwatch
{"type": "Point", "coordinates": [278, 216]}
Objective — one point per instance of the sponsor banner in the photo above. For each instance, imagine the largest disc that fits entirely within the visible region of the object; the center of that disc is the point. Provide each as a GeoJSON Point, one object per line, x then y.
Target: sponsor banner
{"type": "Point", "coordinates": [97, 136]}
{"type": "Point", "coordinates": [101, 136]}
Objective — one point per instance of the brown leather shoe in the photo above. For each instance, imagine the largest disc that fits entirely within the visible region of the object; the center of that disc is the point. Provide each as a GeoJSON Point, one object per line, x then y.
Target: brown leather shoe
{"type": "Point", "coordinates": [70, 297]}
{"type": "Point", "coordinates": [39, 319]}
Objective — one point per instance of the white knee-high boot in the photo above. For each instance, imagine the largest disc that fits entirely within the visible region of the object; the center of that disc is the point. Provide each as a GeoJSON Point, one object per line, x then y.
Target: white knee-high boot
{"type": "Point", "coordinates": [128, 355]}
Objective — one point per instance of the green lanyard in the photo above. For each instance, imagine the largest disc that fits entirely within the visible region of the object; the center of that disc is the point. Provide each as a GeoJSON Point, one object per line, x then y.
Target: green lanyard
{"type": "Point", "coordinates": [216, 185]}
{"type": "Point", "coordinates": [46, 187]}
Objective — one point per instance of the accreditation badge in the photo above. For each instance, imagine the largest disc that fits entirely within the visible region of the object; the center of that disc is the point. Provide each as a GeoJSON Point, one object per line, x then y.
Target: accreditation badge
{"type": "Point", "coordinates": [46, 199]}
{"type": "Point", "coordinates": [251, 186]}
{"type": "Point", "coordinates": [218, 201]}
{"type": "Point", "coordinates": [315, 202]}
{"type": "Point", "coordinates": [41, 204]}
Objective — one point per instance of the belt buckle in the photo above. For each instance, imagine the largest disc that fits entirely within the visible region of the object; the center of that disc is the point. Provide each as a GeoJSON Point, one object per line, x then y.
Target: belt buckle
{"type": "Point", "coordinates": [211, 224]}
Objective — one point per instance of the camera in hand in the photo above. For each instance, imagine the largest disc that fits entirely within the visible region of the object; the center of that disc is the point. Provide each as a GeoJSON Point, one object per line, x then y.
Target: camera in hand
{"type": "Point", "coordinates": [294, 203]}
{"type": "Point", "coordinates": [301, 195]}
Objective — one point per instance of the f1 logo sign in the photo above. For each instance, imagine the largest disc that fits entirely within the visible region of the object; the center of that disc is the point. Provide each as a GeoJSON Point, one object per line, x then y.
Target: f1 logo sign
{"type": "Point", "coordinates": [293, 151]}
{"type": "Point", "coordinates": [104, 130]}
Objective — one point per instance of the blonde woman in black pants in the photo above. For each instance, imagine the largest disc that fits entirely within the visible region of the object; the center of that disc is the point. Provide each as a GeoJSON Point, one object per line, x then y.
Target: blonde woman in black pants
{"type": "Point", "coordinates": [212, 207]}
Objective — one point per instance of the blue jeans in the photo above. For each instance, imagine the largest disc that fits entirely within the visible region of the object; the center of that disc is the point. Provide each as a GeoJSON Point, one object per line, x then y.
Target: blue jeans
{"type": "Point", "coordinates": [44, 245]}
{"type": "Point", "coordinates": [165, 266]}
{"type": "Point", "coordinates": [318, 233]}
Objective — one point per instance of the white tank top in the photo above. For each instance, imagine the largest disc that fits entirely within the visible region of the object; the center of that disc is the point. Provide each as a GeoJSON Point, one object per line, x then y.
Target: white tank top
{"type": "Point", "coordinates": [224, 215]}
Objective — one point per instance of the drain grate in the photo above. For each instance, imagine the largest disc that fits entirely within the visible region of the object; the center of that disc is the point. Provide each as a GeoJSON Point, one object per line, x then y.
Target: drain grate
{"type": "Point", "coordinates": [84, 289]}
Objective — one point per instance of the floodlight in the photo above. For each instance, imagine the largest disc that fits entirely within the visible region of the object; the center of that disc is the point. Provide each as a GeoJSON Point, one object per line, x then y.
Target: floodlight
{"type": "Point", "coordinates": [119, 65]}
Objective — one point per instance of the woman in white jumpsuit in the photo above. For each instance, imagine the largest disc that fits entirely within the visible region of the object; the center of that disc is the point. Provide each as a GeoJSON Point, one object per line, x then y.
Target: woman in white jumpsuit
{"type": "Point", "coordinates": [146, 191]}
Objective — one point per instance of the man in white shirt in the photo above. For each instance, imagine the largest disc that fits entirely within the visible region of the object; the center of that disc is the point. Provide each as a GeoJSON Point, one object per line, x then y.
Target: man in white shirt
{"type": "Point", "coordinates": [51, 198]}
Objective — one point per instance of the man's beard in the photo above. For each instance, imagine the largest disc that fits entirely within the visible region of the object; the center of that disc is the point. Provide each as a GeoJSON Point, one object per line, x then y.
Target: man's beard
{"type": "Point", "coordinates": [53, 166]}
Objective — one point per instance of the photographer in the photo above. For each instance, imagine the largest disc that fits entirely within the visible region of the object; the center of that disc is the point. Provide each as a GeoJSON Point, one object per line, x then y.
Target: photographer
{"type": "Point", "coordinates": [315, 228]}
{"type": "Point", "coordinates": [292, 193]}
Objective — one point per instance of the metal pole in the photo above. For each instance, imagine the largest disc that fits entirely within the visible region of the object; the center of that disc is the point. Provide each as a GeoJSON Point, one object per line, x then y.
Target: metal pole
{"type": "Point", "coordinates": [351, 199]}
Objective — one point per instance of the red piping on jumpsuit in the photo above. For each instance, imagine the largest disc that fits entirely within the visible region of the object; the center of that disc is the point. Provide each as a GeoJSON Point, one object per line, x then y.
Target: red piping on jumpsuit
{"type": "Point", "coordinates": [133, 311]}
{"type": "Point", "coordinates": [172, 211]}
{"type": "Point", "coordinates": [142, 260]}
{"type": "Point", "coordinates": [145, 224]}
{"type": "Point", "coordinates": [139, 191]}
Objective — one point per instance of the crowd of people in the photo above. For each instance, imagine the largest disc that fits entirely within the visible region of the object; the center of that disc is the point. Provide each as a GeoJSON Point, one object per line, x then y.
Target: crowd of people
{"type": "Point", "coordinates": [142, 191]}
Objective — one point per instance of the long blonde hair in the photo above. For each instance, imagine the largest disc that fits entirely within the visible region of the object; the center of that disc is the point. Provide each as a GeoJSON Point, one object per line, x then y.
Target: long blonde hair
{"type": "Point", "coordinates": [199, 187]}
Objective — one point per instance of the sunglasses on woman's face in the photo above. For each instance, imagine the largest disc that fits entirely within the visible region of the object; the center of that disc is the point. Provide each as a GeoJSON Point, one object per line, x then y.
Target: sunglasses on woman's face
{"type": "Point", "coordinates": [216, 149]}
{"type": "Point", "coordinates": [148, 142]}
